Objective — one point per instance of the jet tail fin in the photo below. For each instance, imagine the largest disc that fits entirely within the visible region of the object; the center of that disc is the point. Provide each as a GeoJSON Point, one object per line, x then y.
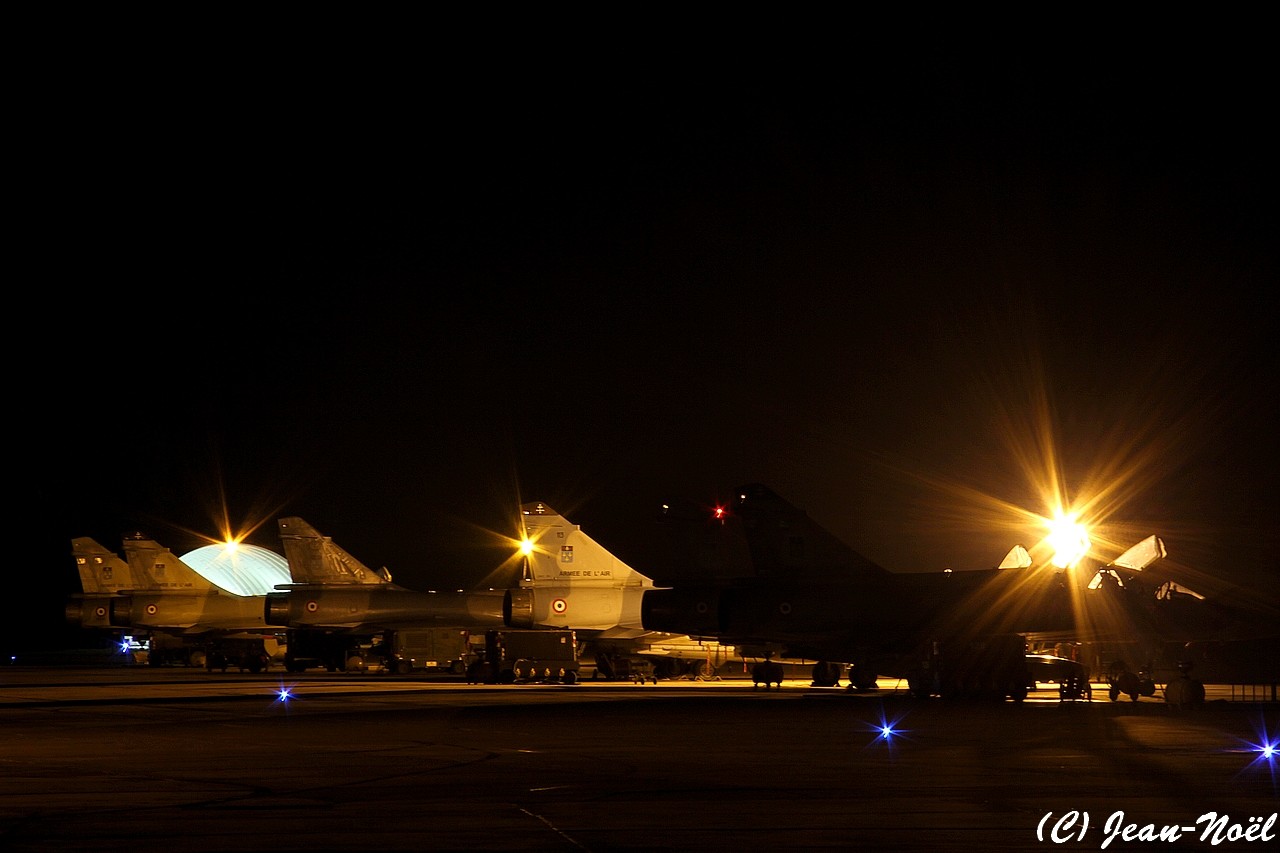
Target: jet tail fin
{"type": "Point", "coordinates": [1017, 558]}
{"type": "Point", "coordinates": [570, 580]}
{"type": "Point", "coordinates": [314, 558]}
{"type": "Point", "coordinates": [101, 571]}
{"type": "Point", "coordinates": [1145, 554]}
{"type": "Point", "coordinates": [1141, 555]}
{"type": "Point", "coordinates": [756, 535]}
{"type": "Point", "coordinates": [1132, 562]}
{"type": "Point", "coordinates": [157, 569]}
{"type": "Point", "coordinates": [562, 553]}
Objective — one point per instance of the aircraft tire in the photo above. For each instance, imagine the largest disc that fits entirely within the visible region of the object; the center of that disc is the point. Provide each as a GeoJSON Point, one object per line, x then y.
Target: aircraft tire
{"type": "Point", "coordinates": [570, 677]}
{"type": "Point", "coordinates": [701, 670]}
{"type": "Point", "coordinates": [605, 667]}
{"type": "Point", "coordinates": [862, 679]}
{"type": "Point", "coordinates": [826, 674]}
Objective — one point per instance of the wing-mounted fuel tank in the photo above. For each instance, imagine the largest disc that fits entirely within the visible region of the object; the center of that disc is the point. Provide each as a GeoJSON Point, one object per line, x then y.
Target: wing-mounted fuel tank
{"type": "Point", "coordinates": [688, 610]}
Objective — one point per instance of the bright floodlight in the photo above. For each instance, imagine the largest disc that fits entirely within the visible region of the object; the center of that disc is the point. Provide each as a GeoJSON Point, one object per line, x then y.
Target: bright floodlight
{"type": "Point", "coordinates": [1069, 540]}
{"type": "Point", "coordinates": [526, 546]}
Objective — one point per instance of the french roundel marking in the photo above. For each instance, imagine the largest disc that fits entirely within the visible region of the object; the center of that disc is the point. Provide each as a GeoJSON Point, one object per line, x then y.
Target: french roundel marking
{"type": "Point", "coordinates": [311, 607]}
{"type": "Point", "coordinates": [101, 611]}
{"type": "Point", "coordinates": [785, 608]}
{"type": "Point", "coordinates": [700, 607]}
{"type": "Point", "coordinates": [559, 605]}
{"type": "Point", "coordinates": [151, 610]}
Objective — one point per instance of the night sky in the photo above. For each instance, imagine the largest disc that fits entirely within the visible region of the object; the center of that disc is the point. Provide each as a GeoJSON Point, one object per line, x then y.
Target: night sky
{"type": "Point", "coordinates": [400, 298]}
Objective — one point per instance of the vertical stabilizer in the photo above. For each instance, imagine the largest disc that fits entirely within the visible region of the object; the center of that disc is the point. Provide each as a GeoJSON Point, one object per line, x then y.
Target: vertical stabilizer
{"type": "Point", "coordinates": [157, 569]}
{"type": "Point", "coordinates": [316, 559]}
{"type": "Point", "coordinates": [563, 553]}
{"type": "Point", "coordinates": [1133, 561]}
{"type": "Point", "coordinates": [101, 571]}
{"type": "Point", "coordinates": [1017, 558]}
{"type": "Point", "coordinates": [570, 580]}
{"type": "Point", "coordinates": [1142, 555]}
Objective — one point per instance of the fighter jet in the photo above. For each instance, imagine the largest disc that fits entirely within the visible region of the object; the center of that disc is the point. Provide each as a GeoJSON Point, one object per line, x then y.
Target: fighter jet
{"type": "Point", "coordinates": [316, 559]}
{"type": "Point", "coordinates": [170, 596]}
{"type": "Point", "coordinates": [154, 594]}
{"type": "Point", "coordinates": [761, 573]}
{"type": "Point", "coordinates": [102, 575]}
{"type": "Point", "coordinates": [571, 581]}
{"type": "Point", "coordinates": [152, 590]}
{"type": "Point", "coordinates": [337, 604]}
{"type": "Point", "coordinates": [335, 592]}
{"type": "Point", "coordinates": [1169, 630]}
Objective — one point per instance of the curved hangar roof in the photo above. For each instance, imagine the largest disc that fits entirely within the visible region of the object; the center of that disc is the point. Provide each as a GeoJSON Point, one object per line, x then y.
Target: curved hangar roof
{"type": "Point", "coordinates": [243, 570]}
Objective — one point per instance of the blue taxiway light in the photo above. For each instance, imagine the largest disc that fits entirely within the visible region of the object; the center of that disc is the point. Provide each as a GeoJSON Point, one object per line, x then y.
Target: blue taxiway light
{"type": "Point", "coordinates": [886, 730]}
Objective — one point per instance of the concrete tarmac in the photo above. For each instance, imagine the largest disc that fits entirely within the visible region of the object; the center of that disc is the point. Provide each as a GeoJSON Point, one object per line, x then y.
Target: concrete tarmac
{"type": "Point", "coordinates": [144, 759]}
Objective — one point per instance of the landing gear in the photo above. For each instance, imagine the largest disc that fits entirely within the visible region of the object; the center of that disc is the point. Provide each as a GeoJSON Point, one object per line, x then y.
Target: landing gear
{"type": "Point", "coordinates": [922, 685]}
{"type": "Point", "coordinates": [767, 672]}
{"type": "Point", "coordinates": [701, 670]}
{"type": "Point", "coordinates": [826, 674]}
{"type": "Point", "coordinates": [1122, 680]}
{"type": "Point", "coordinates": [862, 677]}
{"type": "Point", "coordinates": [1184, 691]}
